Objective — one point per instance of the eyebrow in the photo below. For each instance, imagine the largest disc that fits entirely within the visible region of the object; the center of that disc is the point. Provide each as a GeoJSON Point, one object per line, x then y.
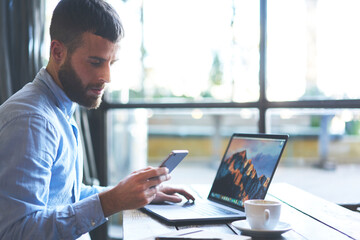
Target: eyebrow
{"type": "Point", "coordinates": [103, 59]}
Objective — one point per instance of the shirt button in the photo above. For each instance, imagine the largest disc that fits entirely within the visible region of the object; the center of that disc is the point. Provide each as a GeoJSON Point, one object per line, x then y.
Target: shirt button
{"type": "Point", "coordinates": [93, 223]}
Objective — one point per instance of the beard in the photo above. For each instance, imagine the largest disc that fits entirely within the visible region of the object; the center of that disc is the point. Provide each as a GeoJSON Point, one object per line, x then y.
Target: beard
{"type": "Point", "coordinates": [75, 90]}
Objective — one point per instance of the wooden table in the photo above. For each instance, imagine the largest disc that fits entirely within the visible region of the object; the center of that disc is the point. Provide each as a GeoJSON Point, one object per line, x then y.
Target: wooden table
{"type": "Point", "coordinates": [309, 216]}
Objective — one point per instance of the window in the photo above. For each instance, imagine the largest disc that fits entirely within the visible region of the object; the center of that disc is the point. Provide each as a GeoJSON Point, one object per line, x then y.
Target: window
{"type": "Point", "coordinates": [312, 50]}
{"type": "Point", "coordinates": [319, 138]}
{"type": "Point", "coordinates": [187, 51]}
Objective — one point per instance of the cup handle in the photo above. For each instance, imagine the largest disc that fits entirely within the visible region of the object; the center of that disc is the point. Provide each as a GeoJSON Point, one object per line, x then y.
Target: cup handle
{"type": "Point", "coordinates": [267, 216]}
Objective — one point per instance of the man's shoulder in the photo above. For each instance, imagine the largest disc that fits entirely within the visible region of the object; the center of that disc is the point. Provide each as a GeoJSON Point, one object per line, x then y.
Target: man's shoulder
{"type": "Point", "coordinates": [29, 101]}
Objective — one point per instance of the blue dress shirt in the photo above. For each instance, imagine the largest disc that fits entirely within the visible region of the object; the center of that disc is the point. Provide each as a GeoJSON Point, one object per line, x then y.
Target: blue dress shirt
{"type": "Point", "coordinates": [41, 162]}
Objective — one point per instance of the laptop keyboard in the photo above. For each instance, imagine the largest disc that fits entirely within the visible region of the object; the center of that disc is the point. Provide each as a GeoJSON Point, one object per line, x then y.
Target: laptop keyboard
{"type": "Point", "coordinates": [204, 209]}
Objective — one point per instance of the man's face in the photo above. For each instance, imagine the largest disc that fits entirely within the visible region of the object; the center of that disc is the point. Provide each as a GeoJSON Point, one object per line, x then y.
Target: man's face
{"type": "Point", "coordinates": [85, 72]}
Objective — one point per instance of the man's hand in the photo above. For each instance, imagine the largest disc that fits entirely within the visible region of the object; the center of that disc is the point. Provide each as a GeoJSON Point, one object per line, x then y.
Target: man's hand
{"type": "Point", "coordinates": [167, 193]}
{"type": "Point", "coordinates": [135, 191]}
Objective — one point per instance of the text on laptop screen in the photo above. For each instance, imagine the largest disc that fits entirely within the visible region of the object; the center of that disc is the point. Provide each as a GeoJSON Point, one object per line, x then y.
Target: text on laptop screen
{"type": "Point", "coordinates": [246, 169]}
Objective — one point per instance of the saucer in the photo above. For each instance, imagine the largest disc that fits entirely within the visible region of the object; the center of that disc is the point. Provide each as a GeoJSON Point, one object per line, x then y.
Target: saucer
{"type": "Point", "coordinates": [245, 229]}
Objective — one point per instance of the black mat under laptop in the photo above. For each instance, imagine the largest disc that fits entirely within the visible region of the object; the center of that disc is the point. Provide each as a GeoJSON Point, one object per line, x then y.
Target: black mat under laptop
{"type": "Point", "coordinates": [245, 172]}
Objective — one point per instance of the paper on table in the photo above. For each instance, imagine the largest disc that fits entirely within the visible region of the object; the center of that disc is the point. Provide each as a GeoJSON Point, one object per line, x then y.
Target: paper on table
{"type": "Point", "coordinates": [197, 233]}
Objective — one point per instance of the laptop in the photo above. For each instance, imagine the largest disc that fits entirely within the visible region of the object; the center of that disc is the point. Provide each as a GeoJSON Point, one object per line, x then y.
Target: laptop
{"type": "Point", "coordinates": [245, 172]}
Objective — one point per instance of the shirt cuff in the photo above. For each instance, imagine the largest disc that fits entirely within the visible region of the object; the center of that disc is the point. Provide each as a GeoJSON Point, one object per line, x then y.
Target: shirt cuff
{"type": "Point", "coordinates": [89, 214]}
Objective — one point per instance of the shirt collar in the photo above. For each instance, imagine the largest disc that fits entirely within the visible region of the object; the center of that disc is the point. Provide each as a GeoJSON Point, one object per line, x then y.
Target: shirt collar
{"type": "Point", "coordinates": [63, 101]}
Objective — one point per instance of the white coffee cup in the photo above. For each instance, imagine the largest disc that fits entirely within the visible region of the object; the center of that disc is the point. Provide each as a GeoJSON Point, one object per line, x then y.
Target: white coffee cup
{"type": "Point", "coordinates": [262, 214]}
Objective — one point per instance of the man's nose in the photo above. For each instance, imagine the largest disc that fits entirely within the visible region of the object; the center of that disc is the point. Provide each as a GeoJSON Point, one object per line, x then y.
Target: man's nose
{"type": "Point", "coordinates": [105, 76]}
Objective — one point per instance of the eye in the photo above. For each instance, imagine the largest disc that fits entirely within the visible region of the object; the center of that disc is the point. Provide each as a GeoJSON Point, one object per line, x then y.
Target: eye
{"type": "Point", "coordinates": [96, 61]}
{"type": "Point", "coordinates": [96, 64]}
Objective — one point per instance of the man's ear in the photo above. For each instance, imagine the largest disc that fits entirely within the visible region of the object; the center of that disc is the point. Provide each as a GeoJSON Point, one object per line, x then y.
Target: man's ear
{"type": "Point", "coordinates": [58, 51]}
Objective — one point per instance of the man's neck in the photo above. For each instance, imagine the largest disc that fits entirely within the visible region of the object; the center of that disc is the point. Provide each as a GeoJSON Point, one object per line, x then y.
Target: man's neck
{"type": "Point", "coordinates": [52, 69]}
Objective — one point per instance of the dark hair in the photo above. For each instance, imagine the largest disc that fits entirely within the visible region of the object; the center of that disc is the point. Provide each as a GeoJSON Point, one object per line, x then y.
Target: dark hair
{"type": "Point", "coordinates": [72, 18]}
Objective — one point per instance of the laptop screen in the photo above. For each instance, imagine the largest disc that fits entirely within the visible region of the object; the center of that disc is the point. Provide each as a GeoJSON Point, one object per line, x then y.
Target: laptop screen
{"type": "Point", "coordinates": [247, 168]}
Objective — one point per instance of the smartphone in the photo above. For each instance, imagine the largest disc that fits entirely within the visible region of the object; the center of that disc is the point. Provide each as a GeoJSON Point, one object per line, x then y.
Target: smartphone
{"type": "Point", "coordinates": [174, 159]}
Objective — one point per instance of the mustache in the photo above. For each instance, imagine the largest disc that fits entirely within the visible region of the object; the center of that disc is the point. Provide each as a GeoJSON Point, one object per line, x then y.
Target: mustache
{"type": "Point", "coordinates": [96, 86]}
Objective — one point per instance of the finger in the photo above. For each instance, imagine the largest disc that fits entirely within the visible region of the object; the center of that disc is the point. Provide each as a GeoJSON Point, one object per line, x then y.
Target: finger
{"type": "Point", "coordinates": [151, 192]}
{"type": "Point", "coordinates": [143, 169]}
{"type": "Point", "coordinates": [150, 195]}
{"type": "Point", "coordinates": [170, 198]}
{"type": "Point", "coordinates": [153, 173]}
{"type": "Point", "coordinates": [186, 194]}
{"type": "Point", "coordinates": [154, 181]}
{"type": "Point", "coordinates": [173, 190]}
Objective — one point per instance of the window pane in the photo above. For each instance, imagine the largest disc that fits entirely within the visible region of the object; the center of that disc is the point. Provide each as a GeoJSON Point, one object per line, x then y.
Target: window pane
{"type": "Point", "coordinates": [184, 50]}
{"type": "Point", "coordinates": [310, 53]}
{"type": "Point", "coordinates": [138, 137]}
{"type": "Point", "coordinates": [324, 137]}
{"type": "Point", "coordinates": [49, 8]}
